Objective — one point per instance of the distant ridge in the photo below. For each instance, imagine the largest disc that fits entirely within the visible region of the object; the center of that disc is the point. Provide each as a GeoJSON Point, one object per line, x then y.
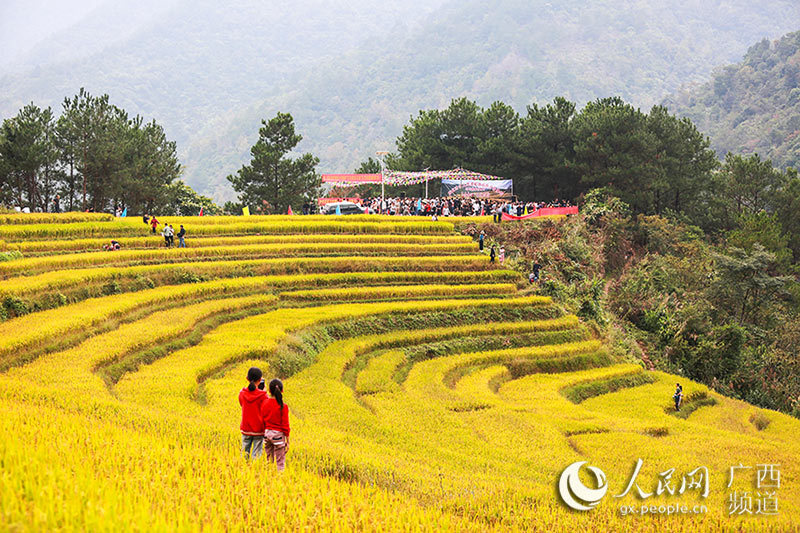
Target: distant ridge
{"type": "Point", "coordinates": [351, 75]}
{"type": "Point", "coordinates": [752, 106]}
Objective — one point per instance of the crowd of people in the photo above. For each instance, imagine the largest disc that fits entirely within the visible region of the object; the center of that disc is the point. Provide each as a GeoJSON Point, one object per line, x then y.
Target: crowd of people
{"type": "Point", "coordinates": [446, 207]}
{"type": "Point", "coordinates": [168, 232]}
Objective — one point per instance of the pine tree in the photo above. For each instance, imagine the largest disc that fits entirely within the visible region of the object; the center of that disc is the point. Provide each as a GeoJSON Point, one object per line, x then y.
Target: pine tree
{"type": "Point", "coordinates": [272, 180]}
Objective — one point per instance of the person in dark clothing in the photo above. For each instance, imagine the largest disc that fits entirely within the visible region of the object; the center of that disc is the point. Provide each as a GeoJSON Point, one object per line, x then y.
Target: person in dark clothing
{"type": "Point", "coordinates": [678, 396]}
{"type": "Point", "coordinates": [536, 268]}
{"type": "Point", "coordinates": [492, 254]}
{"type": "Point", "coordinates": [181, 235]}
{"type": "Point", "coordinates": [57, 204]}
{"type": "Point", "coordinates": [146, 219]}
{"type": "Point", "coordinates": [480, 241]}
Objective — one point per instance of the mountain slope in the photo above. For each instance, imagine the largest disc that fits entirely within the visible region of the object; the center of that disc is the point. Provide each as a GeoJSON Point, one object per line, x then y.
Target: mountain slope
{"type": "Point", "coordinates": [752, 106]}
{"type": "Point", "coordinates": [514, 51]}
{"type": "Point", "coordinates": [351, 75]}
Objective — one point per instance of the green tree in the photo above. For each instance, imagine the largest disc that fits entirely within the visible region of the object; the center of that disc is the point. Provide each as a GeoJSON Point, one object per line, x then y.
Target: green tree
{"type": "Point", "coordinates": [745, 285]}
{"type": "Point", "coordinates": [749, 183]}
{"type": "Point", "coordinates": [545, 152]}
{"type": "Point", "coordinates": [272, 179]}
{"type": "Point", "coordinates": [614, 149]}
{"type": "Point", "coordinates": [498, 130]}
{"type": "Point", "coordinates": [683, 165]}
{"type": "Point", "coordinates": [787, 210]}
{"type": "Point", "coordinates": [115, 161]}
{"type": "Point", "coordinates": [765, 229]}
{"type": "Point", "coordinates": [150, 166]}
{"type": "Point", "coordinates": [184, 201]}
{"type": "Point", "coordinates": [370, 166]}
{"type": "Point", "coordinates": [29, 157]}
{"type": "Point", "coordinates": [94, 130]}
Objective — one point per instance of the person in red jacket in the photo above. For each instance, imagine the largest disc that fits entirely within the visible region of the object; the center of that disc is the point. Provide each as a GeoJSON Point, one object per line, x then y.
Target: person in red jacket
{"type": "Point", "coordinates": [252, 399]}
{"type": "Point", "coordinates": [275, 414]}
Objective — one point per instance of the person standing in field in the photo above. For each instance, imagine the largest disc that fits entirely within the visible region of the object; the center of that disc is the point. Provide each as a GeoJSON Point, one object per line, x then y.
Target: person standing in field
{"type": "Point", "coordinates": [276, 425]}
{"type": "Point", "coordinates": [181, 235]}
{"type": "Point", "coordinates": [536, 268]}
{"type": "Point", "coordinates": [481, 237]}
{"type": "Point", "coordinates": [678, 396]}
{"type": "Point", "coordinates": [171, 236]}
{"type": "Point", "coordinates": [502, 255]}
{"type": "Point", "coordinates": [165, 234]}
{"type": "Point", "coordinates": [251, 399]}
{"type": "Point", "coordinates": [154, 224]}
{"type": "Point", "coordinates": [492, 254]}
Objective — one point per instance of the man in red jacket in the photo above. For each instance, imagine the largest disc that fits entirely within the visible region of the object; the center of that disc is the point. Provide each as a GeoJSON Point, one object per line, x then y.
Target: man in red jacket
{"type": "Point", "coordinates": [251, 399]}
{"type": "Point", "coordinates": [275, 414]}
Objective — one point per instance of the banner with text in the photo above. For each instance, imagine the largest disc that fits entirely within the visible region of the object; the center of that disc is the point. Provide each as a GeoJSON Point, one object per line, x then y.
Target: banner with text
{"type": "Point", "coordinates": [544, 212]}
{"type": "Point", "coordinates": [493, 189]}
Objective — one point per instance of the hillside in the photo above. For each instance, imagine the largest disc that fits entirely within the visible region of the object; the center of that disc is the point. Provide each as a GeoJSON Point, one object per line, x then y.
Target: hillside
{"type": "Point", "coordinates": [352, 76]}
{"type": "Point", "coordinates": [427, 388]}
{"type": "Point", "coordinates": [752, 106]}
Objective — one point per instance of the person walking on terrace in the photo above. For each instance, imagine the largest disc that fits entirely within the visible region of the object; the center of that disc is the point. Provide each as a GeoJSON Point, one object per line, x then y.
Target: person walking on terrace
{"type": "Point", "coordinates": [251, 399]}
{"type": "Point", "coordinates": [181, 235]}
{"type": "Point", "coordinates": [275, 414]}
{"type": "Point", "coordinates": [167, 233]}
{"type": "Point", "coordinates": [678, 396]}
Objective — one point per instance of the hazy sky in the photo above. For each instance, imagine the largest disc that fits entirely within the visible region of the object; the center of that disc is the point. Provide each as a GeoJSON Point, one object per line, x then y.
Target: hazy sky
{"type": "Point", "coordinates": [24, 23]}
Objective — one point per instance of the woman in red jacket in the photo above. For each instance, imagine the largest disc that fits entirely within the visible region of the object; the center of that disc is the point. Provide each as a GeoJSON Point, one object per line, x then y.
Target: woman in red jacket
{"type": "Point", "coordinates": [252, 399]}
{"type": "Point", "coordinates": [276, 424]}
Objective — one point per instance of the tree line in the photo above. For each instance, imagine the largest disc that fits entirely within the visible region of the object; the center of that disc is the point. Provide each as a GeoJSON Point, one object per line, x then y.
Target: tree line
{"type": "Point", "coordinates": [655, 160]}
{"type": "Point", "coordinates": [94, 157]}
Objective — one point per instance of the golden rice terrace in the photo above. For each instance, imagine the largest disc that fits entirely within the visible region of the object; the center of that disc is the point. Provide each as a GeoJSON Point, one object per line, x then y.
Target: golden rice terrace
{"type": "Point", "coordinates": [429, 389]}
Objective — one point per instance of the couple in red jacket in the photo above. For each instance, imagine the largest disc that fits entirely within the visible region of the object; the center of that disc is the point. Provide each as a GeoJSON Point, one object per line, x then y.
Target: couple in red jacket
{"type": "Point", "coordinates": [265, 420]}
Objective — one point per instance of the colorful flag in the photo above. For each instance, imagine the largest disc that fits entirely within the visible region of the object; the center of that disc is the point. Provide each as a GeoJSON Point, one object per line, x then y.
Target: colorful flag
{"type": "Point", "coordinates": [124, 213]}
{"type": "Point", "coordinates": [290, 211]}
{"type": "Point", "coordinates": [338, 210]}
{"type": "Point", "coordinates": [246, 211]}
{"type": "Point", "coordinates": [201, 211]}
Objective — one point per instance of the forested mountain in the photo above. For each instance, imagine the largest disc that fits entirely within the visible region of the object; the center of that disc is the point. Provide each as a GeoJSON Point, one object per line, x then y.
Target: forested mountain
{"type": "Point", "coordinates": [752, 106]}
{"type": "Point", "coordinates": [39, 33]}
{"type": "Point", "coordinates": [352, 74]}
{"type": "Point", "coordinates": [25, 23]}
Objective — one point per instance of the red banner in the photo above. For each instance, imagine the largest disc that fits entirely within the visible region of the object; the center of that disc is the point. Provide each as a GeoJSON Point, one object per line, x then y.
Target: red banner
{"type": "Point", "coordinates": [544, 212]}
{"type": "Point", "coordinates": [326, 201]}
{"type": "Point", "coordinates": [352, 179]}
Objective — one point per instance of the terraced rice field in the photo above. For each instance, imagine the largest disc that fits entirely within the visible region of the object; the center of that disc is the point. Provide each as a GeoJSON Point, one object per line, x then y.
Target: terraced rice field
{"type": "Point", "coordinates": [428, 389]}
